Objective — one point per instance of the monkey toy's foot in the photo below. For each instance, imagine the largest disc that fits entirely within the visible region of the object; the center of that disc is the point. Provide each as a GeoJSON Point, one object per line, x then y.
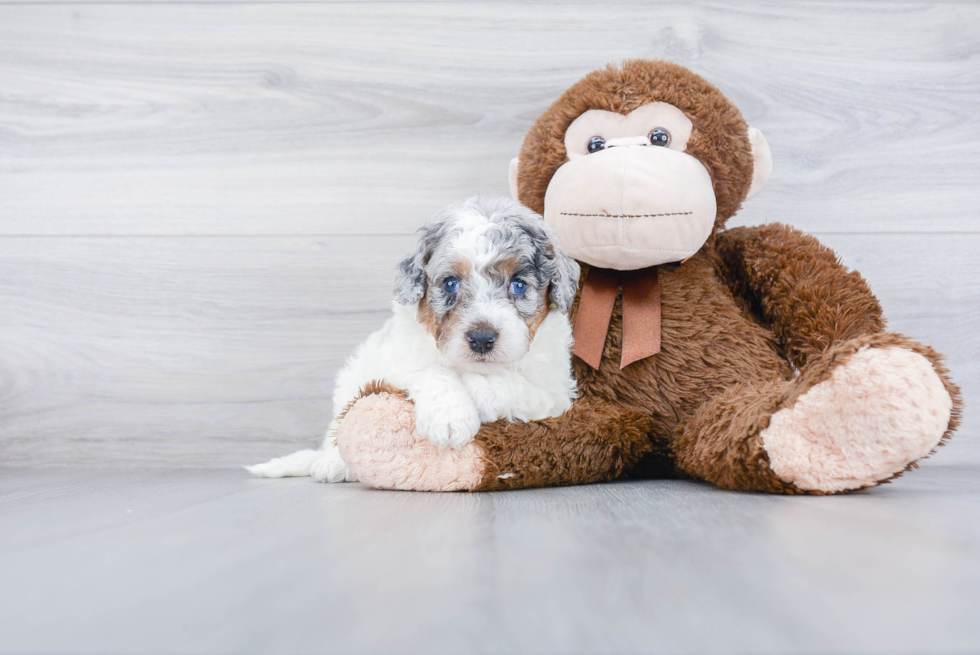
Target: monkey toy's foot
{"type": "Point", "coordinates": [877, 409]}
{"type": "Point", "coordinates": [378, 441]}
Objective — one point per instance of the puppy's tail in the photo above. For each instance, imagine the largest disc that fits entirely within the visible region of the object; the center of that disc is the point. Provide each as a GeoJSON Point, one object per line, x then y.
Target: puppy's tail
{"type": "Point", "coordinates": [297, 465]}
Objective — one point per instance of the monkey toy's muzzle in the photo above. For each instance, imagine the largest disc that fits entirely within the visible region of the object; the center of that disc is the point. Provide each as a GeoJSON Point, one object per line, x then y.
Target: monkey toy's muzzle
{"type": "Point", "coordinates": [631, 206]}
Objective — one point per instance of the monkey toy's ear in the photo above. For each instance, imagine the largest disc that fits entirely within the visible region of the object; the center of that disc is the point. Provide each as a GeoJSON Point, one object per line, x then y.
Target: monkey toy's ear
{"type": "Point", "coordinates": [761, 162]}
{"type": "Point", "coordinates": [514, 163]}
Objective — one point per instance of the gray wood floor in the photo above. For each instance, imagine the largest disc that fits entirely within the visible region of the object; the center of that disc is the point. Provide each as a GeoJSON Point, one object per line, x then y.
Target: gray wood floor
{"type": "Point", "coordinates": [183, 561]}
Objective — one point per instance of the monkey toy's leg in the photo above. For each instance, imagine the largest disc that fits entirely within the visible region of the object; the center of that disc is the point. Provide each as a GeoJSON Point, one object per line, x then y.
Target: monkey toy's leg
{"type": "Point", "coordinates": [866, 405]}
{"type": "Point", "coordinates": [594, 441]}
{"type": "Point", "coordinates": [861, 413]}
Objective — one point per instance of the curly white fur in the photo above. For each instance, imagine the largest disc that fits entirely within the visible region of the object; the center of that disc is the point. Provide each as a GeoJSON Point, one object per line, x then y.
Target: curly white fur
{"type": "Point", "coordinates": [526, 376]}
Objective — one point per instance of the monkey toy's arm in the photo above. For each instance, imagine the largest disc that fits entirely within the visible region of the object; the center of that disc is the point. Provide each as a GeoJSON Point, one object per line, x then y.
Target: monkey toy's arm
{"type": "Point", "coordinates": [798, 287]}
{"type": "Point", "coordinates": [594, 441]}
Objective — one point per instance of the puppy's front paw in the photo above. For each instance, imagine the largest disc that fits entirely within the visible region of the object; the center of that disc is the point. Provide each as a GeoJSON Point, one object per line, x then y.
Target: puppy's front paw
{"type": "Point", "coordinates": [484, 396]}
{"type": "Point", "coordinates": [448, 422]}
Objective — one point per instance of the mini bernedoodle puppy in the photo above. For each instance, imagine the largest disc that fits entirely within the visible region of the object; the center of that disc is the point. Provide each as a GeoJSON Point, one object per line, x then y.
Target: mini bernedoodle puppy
{"type": "Point", "coordinates": [479, 332]}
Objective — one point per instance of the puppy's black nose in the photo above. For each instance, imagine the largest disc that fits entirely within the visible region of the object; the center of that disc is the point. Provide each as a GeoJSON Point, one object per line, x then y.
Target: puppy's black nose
{"type": "Point", "coordinates": [481, 341]}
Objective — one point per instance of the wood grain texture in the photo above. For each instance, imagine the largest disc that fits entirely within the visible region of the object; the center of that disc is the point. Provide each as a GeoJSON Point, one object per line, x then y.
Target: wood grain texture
{"type": "Point", "coordinates": [351, 118]}
{"type": "Point", "coordinates": [216, 351]}
{"type": "Point", "coordinates": [159, 350]}
{"type": "Point", "coordinates": [201, 203]}
{"type": "Point", "coordinates": [217, 562]}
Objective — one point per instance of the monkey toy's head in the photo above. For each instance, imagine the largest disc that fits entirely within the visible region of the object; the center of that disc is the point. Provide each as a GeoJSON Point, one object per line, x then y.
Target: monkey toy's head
{"type": "Point", "coordinates": [639, 165]}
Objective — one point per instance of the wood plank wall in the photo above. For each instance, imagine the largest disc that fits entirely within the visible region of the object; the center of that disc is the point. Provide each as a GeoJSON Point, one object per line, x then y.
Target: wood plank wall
{"type": "Point", "coordinates": [201, 202]}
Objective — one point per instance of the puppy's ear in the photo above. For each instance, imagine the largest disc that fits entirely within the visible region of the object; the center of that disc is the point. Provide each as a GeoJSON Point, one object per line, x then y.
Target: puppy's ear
{"type": "Point", "coordinates": [558, 269]}
{"type": "Point", "coordinates": [410, 283]}
{"type": "Point", "coordinates": [410, 278]}
{"type": "Point", "coordinates": [564, 282]}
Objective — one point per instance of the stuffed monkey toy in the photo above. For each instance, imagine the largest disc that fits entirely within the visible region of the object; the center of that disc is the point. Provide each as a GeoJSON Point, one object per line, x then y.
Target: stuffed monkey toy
{"type": "Point", "coordinates": [749, 358]}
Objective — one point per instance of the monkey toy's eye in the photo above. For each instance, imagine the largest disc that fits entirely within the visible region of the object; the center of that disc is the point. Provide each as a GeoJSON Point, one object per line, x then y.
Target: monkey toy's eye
{"type": "Point", "coordinates": [659, 137]}
{"type": "Point", "coordinates": [596, 144]}
{"type": "Point", "coordinates": [518, 287]}
{"type": "Point", "coordinates": [450, 285]}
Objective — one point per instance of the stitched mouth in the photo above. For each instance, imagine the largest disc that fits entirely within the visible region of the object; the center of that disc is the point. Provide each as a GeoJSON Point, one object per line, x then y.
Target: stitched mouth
{"type": "Point", "coordinates": [628, 215]}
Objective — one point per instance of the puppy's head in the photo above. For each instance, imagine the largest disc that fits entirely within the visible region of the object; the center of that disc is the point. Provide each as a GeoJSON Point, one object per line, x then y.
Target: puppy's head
{"type": "Point", "coordinates": [485, 275]}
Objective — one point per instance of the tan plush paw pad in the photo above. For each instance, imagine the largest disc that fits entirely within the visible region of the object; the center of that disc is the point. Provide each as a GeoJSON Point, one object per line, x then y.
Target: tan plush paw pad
{"type": "Point", "coordinates": [378, 441]}
{"type": "Point", "coordinates": [881, 410]}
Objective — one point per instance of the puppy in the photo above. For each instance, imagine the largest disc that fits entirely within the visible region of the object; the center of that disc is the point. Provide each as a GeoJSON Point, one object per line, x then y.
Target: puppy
{"type": "Point", "coordinates": [479, 332]}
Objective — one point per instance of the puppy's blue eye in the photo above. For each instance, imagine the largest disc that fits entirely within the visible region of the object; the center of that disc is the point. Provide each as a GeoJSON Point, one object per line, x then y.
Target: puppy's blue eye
{"type": "Point", "coordinates": [450, 284]}
{"type": "Point", "coordinates": [518, 288]}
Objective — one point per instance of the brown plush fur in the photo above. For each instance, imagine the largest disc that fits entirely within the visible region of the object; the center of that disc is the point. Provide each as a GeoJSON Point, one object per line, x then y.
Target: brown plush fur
{"type": "Point", "coordinates": [739, 319]}
{"type": "Point", "coordinates": [591, 442]}
{"type": "Point", "coordinates": [794, 284]}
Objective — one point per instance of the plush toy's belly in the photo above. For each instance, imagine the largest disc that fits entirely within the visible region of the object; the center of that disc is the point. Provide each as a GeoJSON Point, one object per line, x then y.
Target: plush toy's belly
{"type": "Point", "coordinates": [708, 344]}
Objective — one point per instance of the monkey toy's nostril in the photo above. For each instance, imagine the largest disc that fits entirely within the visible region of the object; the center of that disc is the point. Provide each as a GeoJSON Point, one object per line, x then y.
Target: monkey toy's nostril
{"type": "Point", "coordinates": [481, 341]}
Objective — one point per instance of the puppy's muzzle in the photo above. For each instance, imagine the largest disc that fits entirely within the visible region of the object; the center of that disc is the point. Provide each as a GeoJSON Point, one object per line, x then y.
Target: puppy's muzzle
{"type": "Point", "coordinates": [481, 341]}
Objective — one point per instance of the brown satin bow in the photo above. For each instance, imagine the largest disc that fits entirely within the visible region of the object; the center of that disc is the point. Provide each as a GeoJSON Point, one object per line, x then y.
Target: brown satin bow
{"type": "Point", "coordinates": [641, 314]}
